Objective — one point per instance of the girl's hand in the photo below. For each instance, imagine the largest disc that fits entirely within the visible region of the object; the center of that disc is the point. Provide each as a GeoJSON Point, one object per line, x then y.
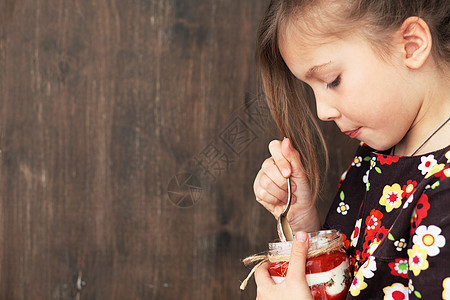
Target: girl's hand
{"type": "Point", "coordinates": [294, 286]}
{"type": "Point", "coordinates": [270, 187]}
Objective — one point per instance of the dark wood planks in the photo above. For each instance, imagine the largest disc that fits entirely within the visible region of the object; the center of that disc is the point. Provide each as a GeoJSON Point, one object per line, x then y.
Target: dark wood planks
{"type": "Point", "coordinates": [103, 105]}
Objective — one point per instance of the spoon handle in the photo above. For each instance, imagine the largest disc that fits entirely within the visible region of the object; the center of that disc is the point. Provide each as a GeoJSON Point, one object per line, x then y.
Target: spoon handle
{"type": "Point", "coordinates": [284, 229]}
{"type": "Point", "coordinates": [288, 204]}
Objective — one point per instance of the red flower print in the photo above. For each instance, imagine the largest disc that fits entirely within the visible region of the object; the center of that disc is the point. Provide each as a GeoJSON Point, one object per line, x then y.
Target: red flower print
{"type": "Point", "coordinates": [399, 267]}
{"type": "Point", "coordinates": [352, 262]}
{"type": "Point", "coordinates": [345, 241]}
{"type": "Point", "coordinates": [373, 220]}
{"type": "Point", "coordinates": [444, 173]}
{"type": "Point", "coordinates": [420, 212]}
{"type": "Point", "coordinates": [409, 188]}
{"type": "Point", "coordinates": [387, 160]}
{"type": "Point", "coordinates": [391, 198]}
{"type": "Point", "coordinates": [368, 238]}
{"type": "Point", "coordinates": [397, 291]}
{"type": "Point", "coordinates": [355, 234]}
{"type": "Point", "coordinates": [373, 238]}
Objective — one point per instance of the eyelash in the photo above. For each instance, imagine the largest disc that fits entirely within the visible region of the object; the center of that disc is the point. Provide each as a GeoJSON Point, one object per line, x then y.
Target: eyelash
{"type": "Point", "coordinates": [335, 83]}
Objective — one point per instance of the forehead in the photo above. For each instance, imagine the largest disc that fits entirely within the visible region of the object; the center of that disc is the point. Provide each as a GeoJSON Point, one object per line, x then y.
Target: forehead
{"type": "Point", "coordinates": [317, 22]}
{"type": "Point", "coordinates": [320, 17]}
{"type": "Point", "coordinates": [302, 51]}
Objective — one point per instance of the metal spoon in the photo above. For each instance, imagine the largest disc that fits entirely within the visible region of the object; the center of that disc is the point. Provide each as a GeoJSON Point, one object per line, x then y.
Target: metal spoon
{"type": "Point", "coordinates": [284, 229]}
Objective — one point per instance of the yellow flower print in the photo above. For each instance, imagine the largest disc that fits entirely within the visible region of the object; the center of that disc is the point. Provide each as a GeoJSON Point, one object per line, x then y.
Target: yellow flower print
{"type": "Point", "coordinates": [358, 284]}
{"type": "Point", "coordinates": [446, 291]}
{"type": "Point", "coordinates": [436, 168]}
{"type": "Point", "coordinates": [447, 172]}
{"type": "Point", "coordinates": [417, 259]}
{"type": "Point", "coordinates": [447, 155]}
{"type": "Point", "coordinates": [392, 197]}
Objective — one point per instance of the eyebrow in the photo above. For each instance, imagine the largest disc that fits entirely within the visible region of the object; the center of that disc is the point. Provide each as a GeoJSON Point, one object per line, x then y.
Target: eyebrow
{"type": "Point", "coordinates": [316, 69]}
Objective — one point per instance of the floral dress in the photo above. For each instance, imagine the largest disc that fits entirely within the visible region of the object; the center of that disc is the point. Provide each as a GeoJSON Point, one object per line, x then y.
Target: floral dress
{"type": "Point", "coordinates": [394, 214]}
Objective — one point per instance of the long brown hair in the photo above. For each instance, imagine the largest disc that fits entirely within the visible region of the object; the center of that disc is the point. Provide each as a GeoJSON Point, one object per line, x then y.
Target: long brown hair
{"type": "Point", "coordinates": [289, 99]}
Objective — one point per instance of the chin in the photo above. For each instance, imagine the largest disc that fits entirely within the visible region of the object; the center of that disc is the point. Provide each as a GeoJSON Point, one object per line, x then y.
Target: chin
{"type": "Point", "coordinates": [378, 146]}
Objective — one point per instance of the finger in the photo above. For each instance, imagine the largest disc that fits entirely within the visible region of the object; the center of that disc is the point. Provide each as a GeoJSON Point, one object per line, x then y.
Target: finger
{"type": "Point", "coordinates": [270, 168]}
{"type": "Point", "coordinates": [262, 275]}
{"type": "Point", "coordinates": [266, 189]}
{"type": "Point", "coordinates": [280, 161]}
{"type": "Point", "coordinates": [297, 262]}
{"type": "Point", "coordinates": [272, 188]}
{"type": "Point", "coordinates": [293, 157]}
{"type": "Point", "coordinates": [273, 205]}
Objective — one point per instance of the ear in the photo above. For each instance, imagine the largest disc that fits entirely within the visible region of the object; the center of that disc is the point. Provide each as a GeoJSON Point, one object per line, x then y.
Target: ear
{"type": "Point", "coordinates": [415, 40]}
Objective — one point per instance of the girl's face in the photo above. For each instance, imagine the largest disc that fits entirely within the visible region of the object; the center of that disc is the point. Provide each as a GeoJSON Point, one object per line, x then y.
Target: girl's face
{"type": "Point", "coordinates": [369, 98]}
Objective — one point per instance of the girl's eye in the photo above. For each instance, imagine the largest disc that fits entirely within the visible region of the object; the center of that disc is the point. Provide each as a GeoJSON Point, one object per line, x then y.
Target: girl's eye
{"type": "Point", "coordinates": [335, 83]}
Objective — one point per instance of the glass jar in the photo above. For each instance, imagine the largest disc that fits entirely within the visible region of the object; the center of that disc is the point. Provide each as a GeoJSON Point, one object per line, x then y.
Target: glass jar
{"type": "Point", "coordinates": [327, 265]}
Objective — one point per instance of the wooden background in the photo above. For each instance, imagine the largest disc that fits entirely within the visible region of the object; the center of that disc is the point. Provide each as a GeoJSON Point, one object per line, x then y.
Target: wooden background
{"type": "Point", "coordinates": [130, 135]}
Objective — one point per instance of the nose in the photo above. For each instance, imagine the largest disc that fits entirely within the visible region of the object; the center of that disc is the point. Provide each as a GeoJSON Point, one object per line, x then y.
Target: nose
{"type": "Point", "coordinates": [326, 111]}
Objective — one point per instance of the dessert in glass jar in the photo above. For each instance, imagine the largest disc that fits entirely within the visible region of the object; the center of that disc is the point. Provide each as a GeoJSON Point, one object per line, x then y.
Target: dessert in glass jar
{"type": "Point", "coordinates": [327, 265]}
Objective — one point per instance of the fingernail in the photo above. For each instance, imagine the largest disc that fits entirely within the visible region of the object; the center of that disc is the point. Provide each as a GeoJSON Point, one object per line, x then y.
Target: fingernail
{"type": "Point", "coordinates": [301, 236]}
{"type": "Point", "coordinates": [285, 172]}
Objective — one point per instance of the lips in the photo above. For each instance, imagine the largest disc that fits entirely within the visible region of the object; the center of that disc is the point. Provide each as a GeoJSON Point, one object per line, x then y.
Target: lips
{"type": "Point", "coordinates": [352, 133]}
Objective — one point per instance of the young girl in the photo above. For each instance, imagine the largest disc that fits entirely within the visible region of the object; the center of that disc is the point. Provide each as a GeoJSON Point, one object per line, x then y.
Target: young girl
{"type": "Point", "coordinates": [380, 69]}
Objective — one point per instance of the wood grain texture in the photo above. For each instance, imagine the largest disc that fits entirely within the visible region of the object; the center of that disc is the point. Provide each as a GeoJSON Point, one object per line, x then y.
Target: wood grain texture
{"type": "Point", "coordinates": [104, 106]}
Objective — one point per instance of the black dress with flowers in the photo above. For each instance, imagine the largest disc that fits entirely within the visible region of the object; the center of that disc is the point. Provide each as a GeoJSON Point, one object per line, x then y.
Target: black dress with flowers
{"type": "Point", "coordinates": [394, 213]}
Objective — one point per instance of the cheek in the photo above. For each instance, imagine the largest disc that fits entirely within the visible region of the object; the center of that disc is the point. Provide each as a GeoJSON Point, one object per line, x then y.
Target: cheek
{"type": "Point", "coordinates": [370, 99]}
{"type": "Point", "coordinates": [356, 97]}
